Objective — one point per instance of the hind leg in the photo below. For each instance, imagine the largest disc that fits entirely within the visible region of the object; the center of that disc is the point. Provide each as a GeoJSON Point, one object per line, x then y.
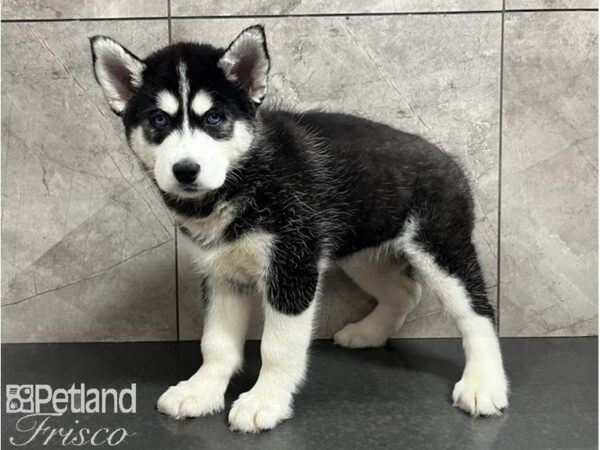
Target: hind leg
{"type": "Point", "coordinates": [397, 295]}
{"type": "Point", "coordinates": [453, 273]}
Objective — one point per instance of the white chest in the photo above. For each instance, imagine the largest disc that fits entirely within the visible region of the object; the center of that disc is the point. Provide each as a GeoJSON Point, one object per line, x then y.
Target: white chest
{"type": "Point", "coordinates": [245, 260]}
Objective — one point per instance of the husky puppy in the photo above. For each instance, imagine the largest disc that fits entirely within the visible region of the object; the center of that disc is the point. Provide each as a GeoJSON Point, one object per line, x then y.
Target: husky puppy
{"type": "Point", "coordinates": [270, 199]}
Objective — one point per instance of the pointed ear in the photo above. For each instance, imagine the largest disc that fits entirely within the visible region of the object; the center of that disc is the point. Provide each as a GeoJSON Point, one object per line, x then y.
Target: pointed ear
{"type": "Point", "coordinates": [246, 62]}
{"type": "Point", "coordinates": [117, 70]}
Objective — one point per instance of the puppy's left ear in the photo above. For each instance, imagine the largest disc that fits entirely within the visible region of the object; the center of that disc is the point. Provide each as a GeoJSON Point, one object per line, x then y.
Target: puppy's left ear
{"type": "Point", "coordinates": [246, 63]}
{"type": "Point", "coordinates": [118, 71]}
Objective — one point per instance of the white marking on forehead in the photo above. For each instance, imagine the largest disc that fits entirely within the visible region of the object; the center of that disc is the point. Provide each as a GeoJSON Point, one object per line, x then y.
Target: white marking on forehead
{"type": "Point", "coordinates": [167, 102]}
{"type": "Point", "coordinates": [184, 91]}
{"type": "Point", "coordinates": [201, 103]}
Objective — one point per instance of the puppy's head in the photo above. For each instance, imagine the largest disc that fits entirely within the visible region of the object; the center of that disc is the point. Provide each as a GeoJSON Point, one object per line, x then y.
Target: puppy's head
{"type": "Point", "coordinates": [189, 110]}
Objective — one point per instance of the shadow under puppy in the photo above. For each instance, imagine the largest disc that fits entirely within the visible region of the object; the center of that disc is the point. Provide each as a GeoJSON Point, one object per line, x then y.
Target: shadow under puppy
{"type": "Point", "coordinates": [269, 199]}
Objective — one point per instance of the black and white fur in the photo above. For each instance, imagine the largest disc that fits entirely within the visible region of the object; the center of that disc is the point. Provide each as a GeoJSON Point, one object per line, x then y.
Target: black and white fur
{"type": "Point", "coordinates": [269, 199]}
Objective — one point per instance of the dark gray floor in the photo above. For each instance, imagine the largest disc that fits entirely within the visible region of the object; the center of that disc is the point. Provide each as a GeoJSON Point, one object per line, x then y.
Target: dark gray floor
{"type": "Point", "coordinates": [394, 397]}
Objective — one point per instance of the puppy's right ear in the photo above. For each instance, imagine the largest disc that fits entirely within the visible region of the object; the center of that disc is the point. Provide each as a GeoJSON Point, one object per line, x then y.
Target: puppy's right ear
{"type": "Point", "coordinates": [117, 70]}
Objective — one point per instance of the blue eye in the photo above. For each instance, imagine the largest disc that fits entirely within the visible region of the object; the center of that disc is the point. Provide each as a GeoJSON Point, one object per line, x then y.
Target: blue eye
{"type": "Point", "coordinates": [214, 118]}
{"type": "Point", "coordinates": [160, 120]}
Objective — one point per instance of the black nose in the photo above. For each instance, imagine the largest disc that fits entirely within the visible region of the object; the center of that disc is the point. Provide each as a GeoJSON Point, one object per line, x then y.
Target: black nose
{"type": "Point", "coordinates": [186, 171]}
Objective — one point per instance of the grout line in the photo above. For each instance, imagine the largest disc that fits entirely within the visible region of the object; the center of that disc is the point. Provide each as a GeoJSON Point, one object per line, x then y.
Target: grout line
{"type": "Point", "coordinates": [529, 10]}
{"type": "Point", "coordinates": [177, 322]}
{"type": "Point", "coordinates": [169, 17]}
{"type": "Point", "coordinates": [84, 19]}
{"type": "Point", "coordinates": [340, 14]}
{"type": "Point", "coordinates": [500, 125]}
{"type": "Point", "coordinates": [267, 16]}
{"type": "Point", "coordinates": [369, 14]}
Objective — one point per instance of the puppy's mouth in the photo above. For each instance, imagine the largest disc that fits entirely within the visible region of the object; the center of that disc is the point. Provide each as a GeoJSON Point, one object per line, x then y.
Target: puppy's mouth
{"type": "Point", "coordinates": [189, 191]}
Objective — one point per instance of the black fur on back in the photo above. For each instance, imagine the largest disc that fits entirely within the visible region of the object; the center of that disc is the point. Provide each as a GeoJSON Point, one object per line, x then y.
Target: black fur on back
{"type": "Point", "coordinates": [329, 185]}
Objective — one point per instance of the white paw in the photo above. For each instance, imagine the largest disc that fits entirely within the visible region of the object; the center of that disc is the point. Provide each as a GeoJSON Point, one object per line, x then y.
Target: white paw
{"type": "Point", "coordinates": [481, 394]}
{"type": "Point", "coordinates": [255, 411]}
{"type": "Point", "coordinates": [190, 399]}
{"type": "Point", "coordinates": [356, 335]}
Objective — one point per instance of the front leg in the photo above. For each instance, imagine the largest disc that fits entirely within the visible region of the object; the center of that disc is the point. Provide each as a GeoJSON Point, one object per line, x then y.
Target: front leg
{"type": "Point", "coordinates": [225, 324]}
{"type": "Point", "coordinates": [289, 309]}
